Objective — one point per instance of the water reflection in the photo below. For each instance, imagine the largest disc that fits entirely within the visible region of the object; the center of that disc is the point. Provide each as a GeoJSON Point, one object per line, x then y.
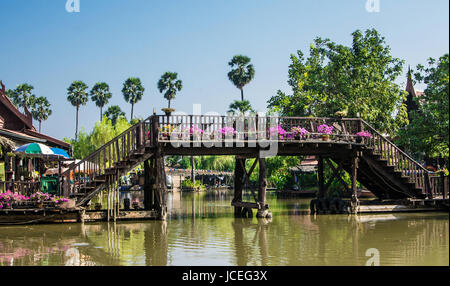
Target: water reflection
{"type": "Point", "coordinates": [202, 231]}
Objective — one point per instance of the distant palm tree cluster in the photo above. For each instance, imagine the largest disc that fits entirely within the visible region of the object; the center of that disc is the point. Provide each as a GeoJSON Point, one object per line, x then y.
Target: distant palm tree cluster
{"type": "Point", "coordinates": [78, 95]}
{"type": "Point", "coordinates": [23, 97]}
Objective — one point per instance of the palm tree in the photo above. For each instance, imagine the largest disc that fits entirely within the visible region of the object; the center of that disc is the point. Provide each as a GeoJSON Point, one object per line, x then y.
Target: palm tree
{"type": "Point", "coordinates": [23, 97]}
{"type": "Point", "coordinates": [241, 106]}
{"type": "Point", "coordinates": [113, 113]}
{"type": "Point", "coordinates": [132, 92]}
{"type": "Point", "coordinates": [170, 85]}
{"type": "Point", "coordinates": [100, 94]}
{"type": "Point", "coordinates": [77, 96]}
{"type": "Point", "coordinates": [242, 72]}
{"type": "Point", "coordinates": [12, 94]}
{"type": "Point", "coordinates": [41, 110]}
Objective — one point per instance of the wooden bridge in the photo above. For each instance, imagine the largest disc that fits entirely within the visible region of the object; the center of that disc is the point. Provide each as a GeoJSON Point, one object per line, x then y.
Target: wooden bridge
{"type": "Point", "coordinates": [374, 161]}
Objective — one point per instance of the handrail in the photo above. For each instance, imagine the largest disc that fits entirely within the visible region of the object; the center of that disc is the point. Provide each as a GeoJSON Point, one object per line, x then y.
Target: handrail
{"type": "Point", "coordinates": [395, 146]}
{"type": "Point", "coordinates": [103, 147]}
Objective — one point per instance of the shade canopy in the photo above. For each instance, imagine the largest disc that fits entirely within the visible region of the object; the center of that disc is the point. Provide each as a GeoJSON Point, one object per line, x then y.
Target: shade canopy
{"type": "Point", "coordinates": [35, 148]}
{"type": "Point", "coordinates": [60, 152]}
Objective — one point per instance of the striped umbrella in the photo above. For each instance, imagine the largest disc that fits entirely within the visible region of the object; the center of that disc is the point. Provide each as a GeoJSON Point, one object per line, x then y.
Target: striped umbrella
{"type": "Point", "coordinates": [35, 148]}
{"type": "Point", "coordinates": [60, 152]}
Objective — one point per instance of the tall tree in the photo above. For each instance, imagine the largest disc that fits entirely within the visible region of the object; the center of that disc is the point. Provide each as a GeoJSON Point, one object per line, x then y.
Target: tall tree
{"type": "Point", "coordinates": [132, 92]}
{"type": "Point", "coordinates": [12, 94]}
{"type": "Point", "coordinates": [353, 80]}
{"type": "Point", "coordinates": [41, 110]}
{"type": "Point", "coordinates": [100, 94]}
{"type": "Point", "coordinates": [242, 72]}
{"type": "Point", "coordinates": [24, 96]}
{"type": "Point", "coordinates": [77, 96]}
{"type": "Point", "coordinates": [428, 131]}
{"type": "Point", "coordinates": [170, 85]}
{"type": "Point", "coordinates": [113, 113]}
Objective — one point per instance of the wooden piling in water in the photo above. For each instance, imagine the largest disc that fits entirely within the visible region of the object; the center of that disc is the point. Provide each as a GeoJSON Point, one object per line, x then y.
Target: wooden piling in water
{"type": "Point", "coordinates": [238, 185]}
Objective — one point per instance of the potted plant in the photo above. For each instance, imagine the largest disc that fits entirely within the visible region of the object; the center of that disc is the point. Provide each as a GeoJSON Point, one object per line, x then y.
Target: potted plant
{"type": "Point", "coordinates": [326, 131]}
{"type": "Point", "coordinates": [299, 133]}
{"type": "Point", "coordinates": [168, 111]}
{"type": "Point", "coordinates": [362, 136]}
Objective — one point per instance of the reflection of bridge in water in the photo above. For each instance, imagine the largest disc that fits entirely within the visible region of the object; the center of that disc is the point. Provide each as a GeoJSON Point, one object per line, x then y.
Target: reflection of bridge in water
{"type": "Point", "coordinates": [375, 162]}
{"type": "Point", "coordinates": [294, 240]}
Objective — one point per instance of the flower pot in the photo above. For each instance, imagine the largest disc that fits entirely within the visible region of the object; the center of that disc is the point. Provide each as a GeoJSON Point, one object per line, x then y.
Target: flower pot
{"type": "Point", "coordinates": [168, 111]}
{"type": "Point", "coordinates": [325, 137]}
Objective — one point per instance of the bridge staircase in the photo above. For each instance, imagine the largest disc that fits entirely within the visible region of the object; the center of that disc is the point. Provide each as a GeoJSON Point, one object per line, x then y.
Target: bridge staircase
{"type": "Point", "coordinates": [387, 171]}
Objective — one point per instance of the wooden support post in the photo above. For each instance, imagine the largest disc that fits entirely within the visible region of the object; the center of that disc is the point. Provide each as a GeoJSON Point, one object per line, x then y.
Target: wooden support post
{"type": "Point", "coordinates": [238, 184]}
{"type": "Point", "coordinates": [320, 170]}
{"type": "Point", "coordinates": [160, 185]}
{"type": "Point", "coordinates": [354, 175]}
{"type": "Point", "coordinates": [262, 210]}
{"type": "Point", "coordinates": [148, 185]}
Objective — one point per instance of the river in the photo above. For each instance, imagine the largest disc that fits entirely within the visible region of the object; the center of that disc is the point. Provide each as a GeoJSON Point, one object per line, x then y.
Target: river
{"type": "Point", "coordinates": [201, 230]}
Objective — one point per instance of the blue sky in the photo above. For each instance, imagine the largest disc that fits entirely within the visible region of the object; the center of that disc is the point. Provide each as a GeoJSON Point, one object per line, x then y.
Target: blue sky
{"type": "Point", "coordinates": [110, 40]}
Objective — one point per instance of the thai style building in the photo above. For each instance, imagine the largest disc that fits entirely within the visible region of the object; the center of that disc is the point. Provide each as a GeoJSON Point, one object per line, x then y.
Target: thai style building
{"type": "Point", "coordinates": [16, 129]}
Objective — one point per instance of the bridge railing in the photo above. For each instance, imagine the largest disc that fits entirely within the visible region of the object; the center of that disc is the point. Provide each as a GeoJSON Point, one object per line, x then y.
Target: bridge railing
{"type": "Point", "coordinates": [410, 169]}
{"type": "Point", "coordinates": [102, 161]}
{"type": "Point", "coordinates": [247, 128]}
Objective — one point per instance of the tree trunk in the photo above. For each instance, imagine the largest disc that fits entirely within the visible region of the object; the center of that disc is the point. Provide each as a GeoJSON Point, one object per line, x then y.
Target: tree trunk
{"type": "Point", "coordinates": [40, 126]}
{"type": "Point", "coordinates": [132, 107]}
{"type": "Point", "coordinates": [101, 114]}
{"type": "Point", "coordinates": [76, 126]}
{"type": "Point", "coordinates": [169, 103]}
{"type": "Point", "coordinates": [242, 94]}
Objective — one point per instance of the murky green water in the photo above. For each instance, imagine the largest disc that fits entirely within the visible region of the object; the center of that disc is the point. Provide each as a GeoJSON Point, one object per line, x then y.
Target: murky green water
{"type": "Point", "coordinates": [202, 231]}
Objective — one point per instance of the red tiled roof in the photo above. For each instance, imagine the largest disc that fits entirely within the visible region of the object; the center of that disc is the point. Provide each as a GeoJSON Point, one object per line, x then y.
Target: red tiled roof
{"type": "Point", "coordinates": [48, 138]}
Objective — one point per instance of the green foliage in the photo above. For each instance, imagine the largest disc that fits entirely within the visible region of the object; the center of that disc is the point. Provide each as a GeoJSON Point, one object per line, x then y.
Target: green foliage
{"type": "Point", "coordinates": [102, 133]}
{"type": "Point", "coordinates": [77, 94]}
{"type": "Point", "coordinates": [242, 73]}
{"type": "Point", "coordinates": [113, 113]}
{"type": "Point", "coordinates": [169, 85]}
{"type": "Point", "coordinates": [278, 174]}
{"type": "Point", "coordinates": [41, 110]}
{"type": "Point", "coordinates": [350, 80]}
{"type": "Point", "coordinates": [189, 184]}
{"type": "Point", "coordinates": [132, 92]}
{"type": "Point", "coordinates": [100, 94]}
{"type": "Point", "coordinates": [217, 163]}
{"type": "Point", "coordinates": [241, 107]}
{"type": "Point", "coordinates": [428, 132]}
{"type": "Point", "coordinates": [13, 96]}
{"type": "Point", "coordinates": [22, 96]}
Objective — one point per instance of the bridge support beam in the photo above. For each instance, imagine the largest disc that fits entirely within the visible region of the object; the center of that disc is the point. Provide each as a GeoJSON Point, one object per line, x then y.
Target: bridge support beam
{"type": "Point", "coordinates": [242, 177]}
{"type": "Point", "coordinates": [238, 184]}
{"type": "Point", "coordinates": [149, 175]}
{"type": "Point", "coordinates": [263, 210]}
{"type": "Point", "coordinates": [160, 186]}
{"type": "Point", "coordinates": [320, 170]}
{"type": "Point", "coordinates": [354, 175]}
{"type": "Point", "coordinates": [155, 187]}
